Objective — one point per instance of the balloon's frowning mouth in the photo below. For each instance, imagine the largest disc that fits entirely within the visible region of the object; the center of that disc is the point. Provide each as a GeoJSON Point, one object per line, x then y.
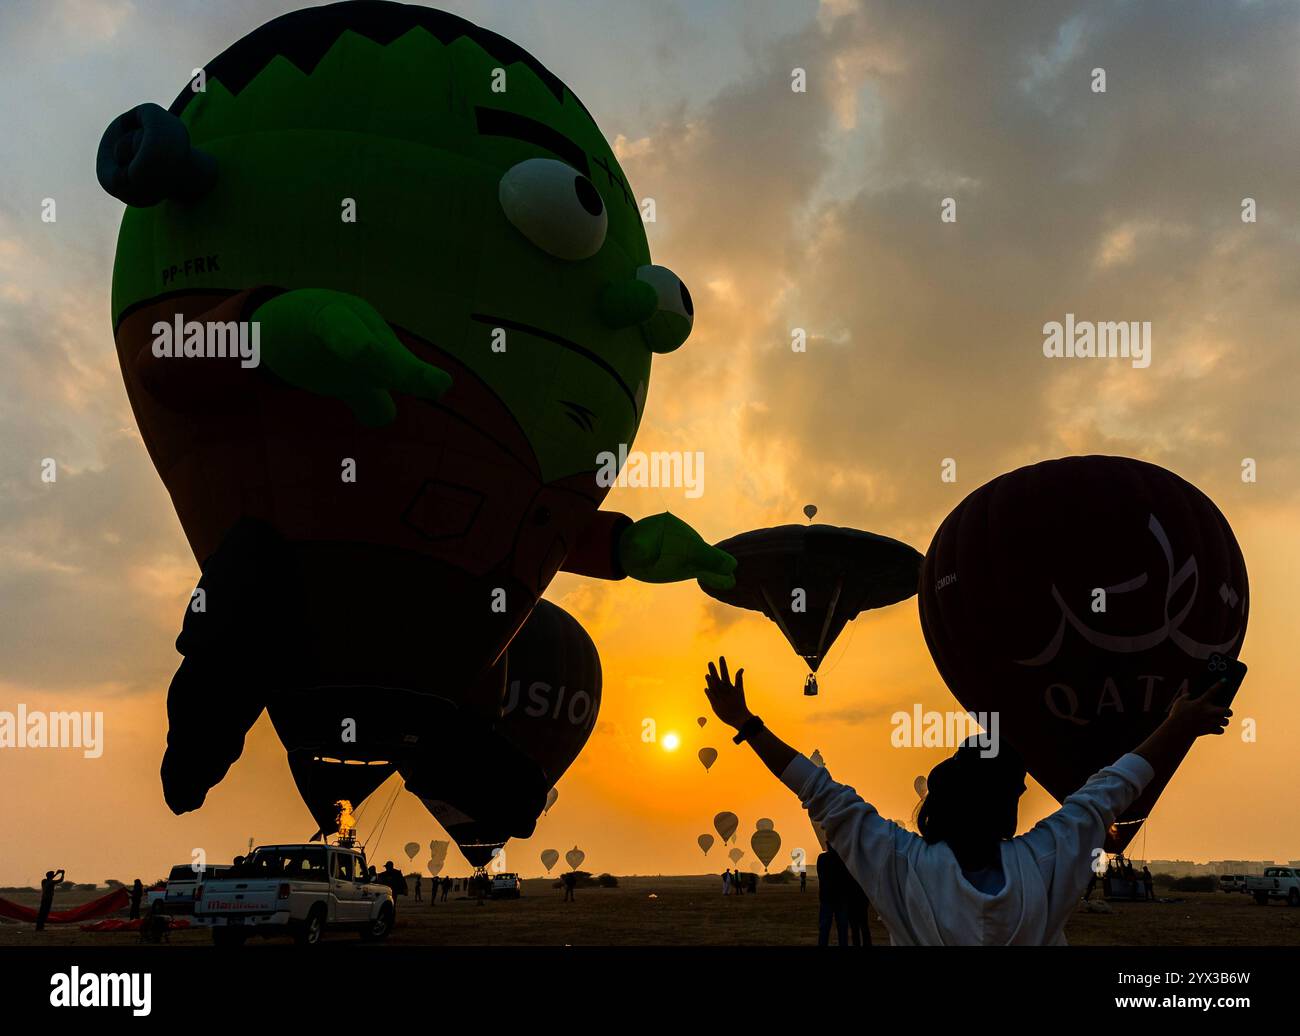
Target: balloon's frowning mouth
{"type": "Point", "coordinates": [564, 343]}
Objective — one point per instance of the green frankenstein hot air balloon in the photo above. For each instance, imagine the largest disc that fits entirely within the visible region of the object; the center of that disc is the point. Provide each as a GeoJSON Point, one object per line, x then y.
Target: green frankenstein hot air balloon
{"type": "Point", "coordinates": [382, 301]}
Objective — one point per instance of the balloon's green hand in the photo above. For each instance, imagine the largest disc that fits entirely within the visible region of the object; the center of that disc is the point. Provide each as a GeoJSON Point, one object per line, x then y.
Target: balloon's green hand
{"type": "Point", "coordinates": [664, 549]}
{"type": "Point", "coordinates": [335, 344]}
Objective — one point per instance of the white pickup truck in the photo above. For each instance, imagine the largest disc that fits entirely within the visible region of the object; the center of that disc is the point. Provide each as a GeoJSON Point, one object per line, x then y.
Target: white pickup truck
{"type": "Point", "coordinates": [1277, 883]}
{"type": "Point", "coordinates": [298, 890]}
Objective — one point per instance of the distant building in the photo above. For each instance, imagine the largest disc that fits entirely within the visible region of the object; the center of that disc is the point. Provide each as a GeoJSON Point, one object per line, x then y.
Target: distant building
{"type": "Point", "coordinates": [1189, 868]}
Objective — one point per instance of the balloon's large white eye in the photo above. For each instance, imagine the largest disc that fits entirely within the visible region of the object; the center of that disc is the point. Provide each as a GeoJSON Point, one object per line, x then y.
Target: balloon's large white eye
{"type": "Point", "coordinates": [555, 207]}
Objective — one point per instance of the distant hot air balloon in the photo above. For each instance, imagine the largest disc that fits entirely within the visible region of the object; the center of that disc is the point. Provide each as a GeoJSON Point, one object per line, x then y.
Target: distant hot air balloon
{"type": "Point", "coordinates": [437, 855]}
{"type": "Point", "coordinates": [765, 842]}
{"type": "Point", "coordinates": [736, 855]}
{"type": "Point", "coordinates": [725, 824]}
{"type": "Point", "coordinates": [551, 797]}
{"type": "Point", "coordinates": [810, 511]}
{"type": "Point", "coordinates": [812, 580]}
{"type": "Point", "coordinates": [764, 825]}
{"type": "Point", "coordinates": [411, 848]}
{"type": "Point", "coordinates": [701, 721]}
{"type": "Point", "coordinates": [920, 786]}
{"type": "Point", "coordinates": [1009, 604]}
{"type": "Point", "coordinates": [705, 843]}
{"type": "Point", "coordinates": [574, 858]}
{"type": "Point", "coordinates": [550, 857]}
{"type": "Point", "coordinates": [708, 756]}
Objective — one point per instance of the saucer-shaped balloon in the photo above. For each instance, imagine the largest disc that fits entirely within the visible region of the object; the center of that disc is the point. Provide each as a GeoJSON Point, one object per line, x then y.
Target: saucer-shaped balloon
{"type": "Point", "coordinates": [812, 580]}
{"type": "Point", "coordinates": [1075, 598]}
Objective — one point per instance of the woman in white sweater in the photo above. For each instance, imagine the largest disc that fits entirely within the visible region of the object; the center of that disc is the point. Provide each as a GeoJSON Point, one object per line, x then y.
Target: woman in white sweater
{"type": "Point", "coordinates": [966, 879]}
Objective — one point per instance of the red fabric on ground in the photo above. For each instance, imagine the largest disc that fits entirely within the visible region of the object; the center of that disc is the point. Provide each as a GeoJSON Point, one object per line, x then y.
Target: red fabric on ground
{"type": "Point", "coordinates": [109, 904]}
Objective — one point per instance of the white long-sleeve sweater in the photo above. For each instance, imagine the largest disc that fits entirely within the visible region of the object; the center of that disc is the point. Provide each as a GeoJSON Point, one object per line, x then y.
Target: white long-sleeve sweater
{"type": "Point", "coordinates": [919, 890]}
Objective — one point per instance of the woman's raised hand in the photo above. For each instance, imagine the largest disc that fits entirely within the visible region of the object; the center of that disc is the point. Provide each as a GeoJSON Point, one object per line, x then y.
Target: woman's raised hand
{"type": "Point", "coordinates": [727, 699]}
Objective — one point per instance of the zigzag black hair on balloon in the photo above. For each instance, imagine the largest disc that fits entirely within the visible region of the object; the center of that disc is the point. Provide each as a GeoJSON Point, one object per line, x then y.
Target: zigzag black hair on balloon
{"type": "Point", "coordinates": [304, 37]}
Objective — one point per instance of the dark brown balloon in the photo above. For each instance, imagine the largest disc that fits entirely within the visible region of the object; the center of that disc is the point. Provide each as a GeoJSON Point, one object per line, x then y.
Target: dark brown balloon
{"type": "Point", "coordinates": [1007, 608]}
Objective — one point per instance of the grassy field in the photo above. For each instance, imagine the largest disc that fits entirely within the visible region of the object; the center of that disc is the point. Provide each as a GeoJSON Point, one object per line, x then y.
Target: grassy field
{"type": "Point", "coordinates": [690, 911]}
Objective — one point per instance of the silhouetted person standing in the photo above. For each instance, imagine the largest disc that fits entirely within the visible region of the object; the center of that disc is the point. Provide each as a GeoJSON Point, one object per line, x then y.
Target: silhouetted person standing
{"type": "Point", "coordinates": [419, 881]}
{"type": "Point", "coordinates": [137, 894]}
{"type": "Point", "coordinates": [831, 876]}
{"type": "Point", "coordinates": [1147, 882]}
{"type": "Point", "coordinates": [726, 882]}
{"type": "Point", "coordinates": [394, 880]}
{"type": "Point", "coordinates": [570, 883]}
{"type": "Point", "coordinates": [858, 908]}
{"type": "Point", "coordinates": [446, 887]}
{"type": "Point", "coordinates": [51, 879]}
{"type": "Point", "coordinates": [803, 880]}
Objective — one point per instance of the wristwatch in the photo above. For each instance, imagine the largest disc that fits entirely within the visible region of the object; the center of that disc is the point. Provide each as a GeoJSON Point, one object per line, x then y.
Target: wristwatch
{"type": "Point", "coordinates": [748, 729]}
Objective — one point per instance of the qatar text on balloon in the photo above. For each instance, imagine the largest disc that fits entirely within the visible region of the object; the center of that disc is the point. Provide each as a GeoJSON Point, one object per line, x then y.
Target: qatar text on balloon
{"type": "Point", "coordinates": [1168, 629]}
{"type": "Point", "coordinates": [1062, 700]}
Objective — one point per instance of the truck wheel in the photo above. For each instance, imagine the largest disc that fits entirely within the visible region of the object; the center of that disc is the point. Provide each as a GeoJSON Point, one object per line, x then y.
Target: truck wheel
{"type": "Point", "coordinates": [379, 928]}
{"type": "Point", "coordinates": [228, 937]}
{"type": "Point", "coordinates": [308, 933]}
{"type": "Point", "coordinates": [1293, 898]}
{"type": "Point", "coordinates": [1261, 898]}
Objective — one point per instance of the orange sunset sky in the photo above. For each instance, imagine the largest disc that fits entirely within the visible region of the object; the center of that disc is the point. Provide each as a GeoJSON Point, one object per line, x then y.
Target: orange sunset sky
{"type": "Point", "coordinates": [780, 210]}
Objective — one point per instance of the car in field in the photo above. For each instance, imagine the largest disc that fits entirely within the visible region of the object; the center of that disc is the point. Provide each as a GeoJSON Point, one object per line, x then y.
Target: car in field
{"type": "Point", "coordinates": [1232, 883]}
{"type": "Point", "coordinates": [182, 881]}
{"type": "Point", "coordinates": [1276, 883]}
{"type": "Point", "coordinates": [505, 886]}
{"type": "Point", "coordinates": [300, 890]}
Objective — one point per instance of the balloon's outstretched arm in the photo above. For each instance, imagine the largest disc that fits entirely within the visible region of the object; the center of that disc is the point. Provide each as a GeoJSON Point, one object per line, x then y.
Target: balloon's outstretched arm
{"type": "Point", "coordinates": [596, 552]}
{"type": "Point", "coordinates": [664, 549]}
{"type": "Point", "coordinates": [335, 344]}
